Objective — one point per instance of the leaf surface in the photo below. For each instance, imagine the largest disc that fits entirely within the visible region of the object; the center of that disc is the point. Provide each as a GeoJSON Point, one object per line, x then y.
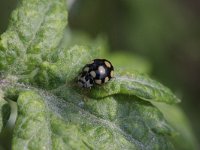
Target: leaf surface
{"type": "Point", "coordinates": [4, 113]}
{"type": "Point", "coordinates": [46, 121]}
{"type": "Point", "coordinates": [35, 29]}
{"type": "Point", "coordinates": [138, 85]}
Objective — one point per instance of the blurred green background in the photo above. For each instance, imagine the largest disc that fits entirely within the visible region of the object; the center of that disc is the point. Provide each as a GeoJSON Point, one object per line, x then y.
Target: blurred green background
{"type": "Point", "coordinates": [166, 34]}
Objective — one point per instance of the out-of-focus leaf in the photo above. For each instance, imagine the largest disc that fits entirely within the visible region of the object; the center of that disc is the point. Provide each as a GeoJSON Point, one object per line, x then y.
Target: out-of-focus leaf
{"type": "Point", "coordinates": [124, 61]}
{"type": "Point", "coordinates": [128, 62]}
{"type": "Point", "coordinates": [72, 38]}
{"type": "Point", "coordinates": [176, 117]}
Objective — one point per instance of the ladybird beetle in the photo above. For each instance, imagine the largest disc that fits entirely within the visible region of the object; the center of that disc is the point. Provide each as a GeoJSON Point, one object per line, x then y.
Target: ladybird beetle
{"type": "Point", "coordinates": [99, 71]}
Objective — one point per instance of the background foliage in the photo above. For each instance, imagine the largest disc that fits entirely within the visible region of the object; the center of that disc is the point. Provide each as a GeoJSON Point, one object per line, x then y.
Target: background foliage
{"type": "Point", "coordinates": [166, 34]}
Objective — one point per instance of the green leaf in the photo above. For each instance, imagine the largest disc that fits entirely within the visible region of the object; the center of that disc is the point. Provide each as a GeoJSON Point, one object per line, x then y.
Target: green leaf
{"type": "Point", "coordinates": [72, 38]}
{"type": "Point", "coordinates": [64, 68]}
{"type": "Point", "coordinates": [4, 112]}
{"type": "Point", "coordinates": [128, 62]}
{"type": "Point", "coordinates": [176, 117]}
{"type": "Point", "coordinates": [124, 61]}
{"type": "Point", "coordinates": [35, 29]}
{"type": "Point", "coordinates": [31, 129]}
{"type": "Point", "coordinates": [138, 85]}
{"type": "Point", "coordinates": [45, 121]}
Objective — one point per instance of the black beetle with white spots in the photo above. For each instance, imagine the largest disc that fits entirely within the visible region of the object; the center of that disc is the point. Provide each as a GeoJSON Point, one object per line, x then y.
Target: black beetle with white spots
{"type": "Point", "coordinates": [99, 71]}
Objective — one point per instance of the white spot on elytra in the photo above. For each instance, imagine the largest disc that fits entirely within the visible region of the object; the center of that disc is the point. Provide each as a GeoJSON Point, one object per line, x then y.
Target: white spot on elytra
{"type": "Point", "coordinates": [107, 64]}
{"type": "Point", "coordinates": [86, 69]}
{"type": "Point", "coordinates": [112, 74]}
{"type": "Point", "coordinates": [93, 74]}
{"type": "Point", "coordinates": [98, 81]}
